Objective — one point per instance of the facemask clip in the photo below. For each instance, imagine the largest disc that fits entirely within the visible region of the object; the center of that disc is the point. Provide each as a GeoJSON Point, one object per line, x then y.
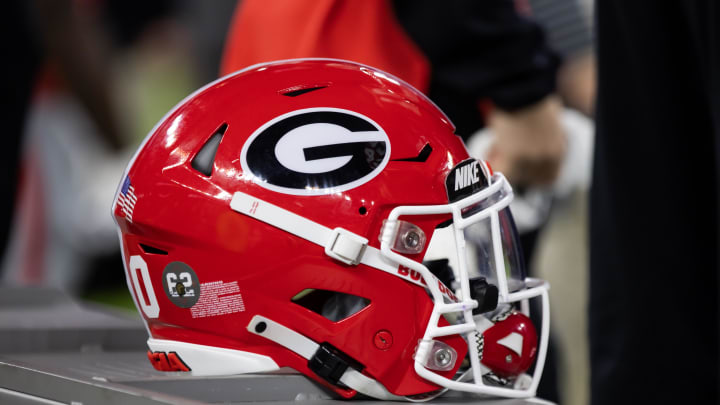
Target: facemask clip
{"type": "Point", "coordinates": [435, 355]}
{"type": "Point", "coordinates": [403, 237]}
{"type": "Point", "coordinates": [485, 294]}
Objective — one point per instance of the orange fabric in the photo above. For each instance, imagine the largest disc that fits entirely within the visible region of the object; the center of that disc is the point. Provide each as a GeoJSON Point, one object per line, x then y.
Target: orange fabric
{"type": "Point", "coordinates": [364, 31]}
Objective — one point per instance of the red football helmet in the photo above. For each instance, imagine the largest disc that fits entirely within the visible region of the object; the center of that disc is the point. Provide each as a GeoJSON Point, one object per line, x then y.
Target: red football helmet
{"type": "Point", "coordinates": [280, 216]}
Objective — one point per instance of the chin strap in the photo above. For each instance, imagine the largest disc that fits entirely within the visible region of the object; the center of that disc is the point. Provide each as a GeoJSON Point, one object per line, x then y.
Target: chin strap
{"type": "Point", "coordinates": [310, 350]}
{"type": "Point", "coordinates": [339, 243]}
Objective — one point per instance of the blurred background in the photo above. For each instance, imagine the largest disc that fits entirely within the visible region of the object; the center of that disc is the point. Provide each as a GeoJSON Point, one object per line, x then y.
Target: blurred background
{"type": "Point", "coordinates": [87, 79]}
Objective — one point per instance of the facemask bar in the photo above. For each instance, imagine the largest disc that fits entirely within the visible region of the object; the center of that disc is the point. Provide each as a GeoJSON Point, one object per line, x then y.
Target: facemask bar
{"type": "Point", "coordinates": [534, 288]}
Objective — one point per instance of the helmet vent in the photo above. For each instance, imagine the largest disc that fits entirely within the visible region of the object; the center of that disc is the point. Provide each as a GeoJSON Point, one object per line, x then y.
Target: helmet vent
{"type": "Point", "coordinates": [295, 91]}
{"type": "Point", "coordinates": [334, 306]}
{"type": "Point", "coordinates": [421, 157]}
{"type": "Point", "coordinates": [203, 161]}
{"type": "Point", "coordinates": [152, 250]}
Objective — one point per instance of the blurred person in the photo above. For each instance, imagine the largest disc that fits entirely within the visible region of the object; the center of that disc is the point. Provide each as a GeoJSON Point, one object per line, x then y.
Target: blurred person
{"type": "Point", "coordinates": [568, 34]}
{"type": "Point", "coordinates": [654, 204]}
{"type": "Point", "coordinates": [554, 218]}
{"type": "Point", "coordinates": [16, 89]}
{"type": "Point", "coordinates": [567, 25]}
{"type": "Point", "coordinates": [482, 63]}
{"type": "Point", "coordinates": [72, 141]}
{"type": "Point", "coordinates": [206, 24]}
{"type": "Point", "coordinates": [49, 31]}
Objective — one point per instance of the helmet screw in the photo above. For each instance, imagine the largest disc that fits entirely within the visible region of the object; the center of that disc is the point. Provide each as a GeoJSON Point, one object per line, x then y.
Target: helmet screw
{"type": "Point", "coordinates": [383, 340]}
{"type": "Point", "coordinates": [443, 357]}
{"type": "Point", "coordinates": [180, 288]}
{"type": "Point", "coordinates": [412, 239]}
{"type": "Point", "coordinates": [508, 359]}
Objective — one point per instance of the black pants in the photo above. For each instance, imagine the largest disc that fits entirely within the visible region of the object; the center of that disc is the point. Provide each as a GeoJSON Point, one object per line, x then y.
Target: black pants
{"type": "Point", "coordinates": [654, 205]}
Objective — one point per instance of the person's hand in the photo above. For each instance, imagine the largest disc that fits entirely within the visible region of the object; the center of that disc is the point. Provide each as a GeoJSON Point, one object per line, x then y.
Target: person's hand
{"type": "Point", "coordinates": [577, 82]}
{"type": "Point", "coordinates": [529, 144]}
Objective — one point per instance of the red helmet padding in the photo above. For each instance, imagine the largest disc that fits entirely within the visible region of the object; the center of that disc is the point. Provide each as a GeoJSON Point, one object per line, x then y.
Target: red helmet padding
{"type": "Point", "coordinates": [502, 360]}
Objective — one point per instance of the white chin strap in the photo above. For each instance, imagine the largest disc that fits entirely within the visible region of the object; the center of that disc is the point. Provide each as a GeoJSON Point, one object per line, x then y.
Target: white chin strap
{"type": "Point", "coordinates": [339, 243]}
{"type": "Point", "coordinates": [288, 338]}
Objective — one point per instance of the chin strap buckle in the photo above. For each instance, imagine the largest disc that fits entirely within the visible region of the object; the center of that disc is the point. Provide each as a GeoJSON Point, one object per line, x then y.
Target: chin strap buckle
{"type": "Point", "coordinates": [345, 246]}
{"type": "Point", "coordinates": [331, 364]}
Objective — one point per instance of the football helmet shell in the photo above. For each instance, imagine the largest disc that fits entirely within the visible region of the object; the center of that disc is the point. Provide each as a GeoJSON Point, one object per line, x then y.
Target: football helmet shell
{"type": "Point", "coordinates": [290, 180]}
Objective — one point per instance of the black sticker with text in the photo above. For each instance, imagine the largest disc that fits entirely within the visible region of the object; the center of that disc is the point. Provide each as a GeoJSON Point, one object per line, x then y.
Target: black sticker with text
{"type": "Point", "coordinates": [464, 180]}
{"type": "Point", "coordinates": [181, 284]}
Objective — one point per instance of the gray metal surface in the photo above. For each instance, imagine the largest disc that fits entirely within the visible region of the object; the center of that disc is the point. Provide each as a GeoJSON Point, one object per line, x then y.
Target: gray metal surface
{"type": "Point", "coordinates": [46, 320]}
{"type": "Point", "coordinates": [53, 350]}
{"type": "Point", "coordinates": [128, 378]}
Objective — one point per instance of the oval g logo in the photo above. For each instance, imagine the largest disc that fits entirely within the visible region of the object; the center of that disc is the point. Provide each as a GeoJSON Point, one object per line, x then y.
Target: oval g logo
{"type": "Point", "coordinates": [316, 151]}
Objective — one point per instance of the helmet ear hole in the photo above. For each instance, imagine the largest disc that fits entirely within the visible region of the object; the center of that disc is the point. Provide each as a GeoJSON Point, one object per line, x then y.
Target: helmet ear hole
{"type": "Point", "coordinates": [362, 210]}
{"type": "Point", "coordinates": [334, 306]}
{"type": "Point", "coordinates": [152, 249]}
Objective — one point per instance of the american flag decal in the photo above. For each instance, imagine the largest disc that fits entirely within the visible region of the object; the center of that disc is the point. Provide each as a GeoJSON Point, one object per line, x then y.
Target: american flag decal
{"type": "Point", "coordinates": [127, 199]}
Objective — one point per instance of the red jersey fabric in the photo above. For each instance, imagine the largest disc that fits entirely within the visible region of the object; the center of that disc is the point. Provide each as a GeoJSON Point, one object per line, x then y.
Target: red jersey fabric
{"type": "Point", "coordinates": [360, 31]}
